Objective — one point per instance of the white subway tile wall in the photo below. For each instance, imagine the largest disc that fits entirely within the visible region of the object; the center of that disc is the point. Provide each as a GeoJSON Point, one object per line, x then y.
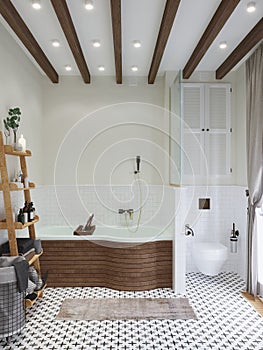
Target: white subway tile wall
{"type": "Point", "coordinates": [70, 205]}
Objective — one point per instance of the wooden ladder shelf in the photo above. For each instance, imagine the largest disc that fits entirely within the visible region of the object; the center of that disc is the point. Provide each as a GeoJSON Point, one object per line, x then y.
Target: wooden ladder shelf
{"type": "Point", "coordinates": [6, 187]}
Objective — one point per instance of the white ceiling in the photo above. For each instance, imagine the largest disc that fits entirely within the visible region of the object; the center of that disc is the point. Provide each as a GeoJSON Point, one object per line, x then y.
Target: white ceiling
{"type": "Point", "coordinates": [140, 21]}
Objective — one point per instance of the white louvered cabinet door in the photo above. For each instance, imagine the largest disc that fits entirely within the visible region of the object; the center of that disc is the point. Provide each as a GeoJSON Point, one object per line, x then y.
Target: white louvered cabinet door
{"type": "Point", "coordinates": [218, 128]}
{"type": "Point", "coordinates": [217, 107]}
{"type": "Point", "coordinates": [193, 106]}
{"type": "Point", "coordinates": [217, 147]}
{"type": "Point", "coordinates": [206, 130]}
{"type": "Point", "coordinates": [192, 134]}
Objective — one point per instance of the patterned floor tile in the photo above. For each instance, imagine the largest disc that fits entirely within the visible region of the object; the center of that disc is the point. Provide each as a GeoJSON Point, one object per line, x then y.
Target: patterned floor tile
{"type": "Point", "coordinates": [225, 321]}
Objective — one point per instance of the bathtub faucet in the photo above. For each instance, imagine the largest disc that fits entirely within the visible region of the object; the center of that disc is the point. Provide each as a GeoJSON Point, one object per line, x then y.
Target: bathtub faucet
{"type": "Point", "coordinates": [128, 211]}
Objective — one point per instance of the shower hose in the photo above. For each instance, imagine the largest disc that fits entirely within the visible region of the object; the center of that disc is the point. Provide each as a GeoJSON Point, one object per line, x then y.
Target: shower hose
{"type": "Point", "coordinates": [140, 209]}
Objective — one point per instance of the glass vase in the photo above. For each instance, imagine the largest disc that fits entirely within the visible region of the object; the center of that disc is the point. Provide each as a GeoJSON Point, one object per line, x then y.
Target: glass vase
{"type": "Point", "coordinates": [7, 136]}
{"type": "Point", "coordinates": [15, 145]}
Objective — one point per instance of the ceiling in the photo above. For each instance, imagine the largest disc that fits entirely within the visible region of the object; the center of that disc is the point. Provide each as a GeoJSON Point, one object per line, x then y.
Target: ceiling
{"type": "Point", "coordinates": [140, 20]}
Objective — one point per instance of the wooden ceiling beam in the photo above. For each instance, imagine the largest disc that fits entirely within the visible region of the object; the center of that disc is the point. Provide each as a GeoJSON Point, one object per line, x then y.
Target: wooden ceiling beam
{"type": "Point", "coordinates": [15, 21]}
{"type": "Point", "coordinates": [65, 20]}
{"type": "Point", "coordinates": [222, 14]}
{"type": "Point", "coordinates": [116, 32]}
{"type": "Point", "coordinates": [169, 14]}
{"type": "Point", "coordinates": [251, 40]}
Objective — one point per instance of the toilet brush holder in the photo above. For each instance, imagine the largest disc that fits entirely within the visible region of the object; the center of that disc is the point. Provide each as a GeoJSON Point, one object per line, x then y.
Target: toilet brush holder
{"type": "Point", "coordinates": [233, 245]}
{"type": "Point", "coordinates": [233, 239]}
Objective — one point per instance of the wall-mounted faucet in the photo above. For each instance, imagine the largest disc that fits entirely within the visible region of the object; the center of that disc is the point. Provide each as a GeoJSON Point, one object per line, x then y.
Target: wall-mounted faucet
{"type": "Point", "coordinates": [127, 211]}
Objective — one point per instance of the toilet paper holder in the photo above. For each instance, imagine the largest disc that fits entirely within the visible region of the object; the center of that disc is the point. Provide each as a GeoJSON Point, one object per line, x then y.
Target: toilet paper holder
{"type": "Point", "coordinates": [188, 230]}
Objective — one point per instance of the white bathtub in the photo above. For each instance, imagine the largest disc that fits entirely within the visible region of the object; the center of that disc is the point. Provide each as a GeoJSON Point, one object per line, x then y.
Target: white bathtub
{"type": "Point", "coordinates": [112, 234]}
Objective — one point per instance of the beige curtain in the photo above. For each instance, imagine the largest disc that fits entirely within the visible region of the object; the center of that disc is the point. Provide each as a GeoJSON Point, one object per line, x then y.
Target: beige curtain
{"type": "Point", "coordinates": [254, 81]}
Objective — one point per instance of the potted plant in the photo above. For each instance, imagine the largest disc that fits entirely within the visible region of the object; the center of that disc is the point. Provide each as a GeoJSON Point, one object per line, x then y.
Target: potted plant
{"type": "Point", "coordinates": [12, 122]}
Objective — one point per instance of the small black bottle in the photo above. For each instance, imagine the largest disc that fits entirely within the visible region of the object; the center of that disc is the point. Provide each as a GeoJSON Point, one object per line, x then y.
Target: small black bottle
{"type": "Point", "coordinates": [25, 211]}
{"type": "Point", "coordinates": [30, 212]}
{"type": "Point", "coordinates": [21, 217]}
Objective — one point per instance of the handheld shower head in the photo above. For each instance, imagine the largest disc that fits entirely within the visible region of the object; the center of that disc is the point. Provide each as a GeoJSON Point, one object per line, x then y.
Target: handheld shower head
{"type": "Point", "coordinates": [138, 160]}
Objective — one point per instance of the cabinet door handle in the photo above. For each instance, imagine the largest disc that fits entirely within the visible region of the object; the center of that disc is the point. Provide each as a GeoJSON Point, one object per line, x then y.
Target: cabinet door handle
{"type": "Point", "coordinates": [203, 129]}
{"type": "Point", "coordinates": [207, 129]}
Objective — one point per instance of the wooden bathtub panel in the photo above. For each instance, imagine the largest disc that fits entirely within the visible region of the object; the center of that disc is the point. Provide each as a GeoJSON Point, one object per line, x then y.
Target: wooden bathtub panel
{"type": "Point", "coordinates": [85, 263]}
{"type": "Point", "coordinates": [60, 266]}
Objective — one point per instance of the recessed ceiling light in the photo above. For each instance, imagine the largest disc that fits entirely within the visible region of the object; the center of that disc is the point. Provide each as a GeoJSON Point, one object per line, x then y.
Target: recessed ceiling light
{"type": "Point", "coordinates": [96, 43]}
{"type": "Point", "coordinates": [251, 6]}
{"type": "Point", "coordinates": [134, 68]}
{"type": "Point", "coordinates": [223, 45]}
{"type": "Point", "coordinates": [36, 4]}
{"type": "Point", "coordinates": [89, 5]}
{"type": "Point", "coordinates": [137, 43]}
{"type": "Point", "coordinates": [101, 68]}
{"type": "Point", "coordinates": [55, 43]}
{"type": "Point", "coordinates": [68, 68]}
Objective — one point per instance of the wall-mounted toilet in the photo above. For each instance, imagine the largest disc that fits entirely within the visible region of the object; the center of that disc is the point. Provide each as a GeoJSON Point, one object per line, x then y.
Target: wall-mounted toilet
{"type": "Point", "coordinates": [209, 257]}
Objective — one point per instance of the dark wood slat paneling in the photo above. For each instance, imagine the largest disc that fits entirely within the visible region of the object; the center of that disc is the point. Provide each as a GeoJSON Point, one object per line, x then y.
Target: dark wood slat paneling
{"type": "Point", "coordinates": [140, 267]}
{"type": "Point", "coordinates": [14, 20]}
{"type": "Point", "coordinates": [223, 12]}
{"type": "Point", "coordinates": [101, 263]}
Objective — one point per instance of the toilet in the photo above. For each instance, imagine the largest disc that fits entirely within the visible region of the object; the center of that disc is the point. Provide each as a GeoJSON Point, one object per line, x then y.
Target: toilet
{"type": "Point", "coordinates": [209, 257]}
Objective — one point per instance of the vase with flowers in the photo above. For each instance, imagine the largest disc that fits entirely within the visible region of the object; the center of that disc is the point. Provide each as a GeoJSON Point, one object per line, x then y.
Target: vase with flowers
{"type": "Point", "coordinates": [12, 123]}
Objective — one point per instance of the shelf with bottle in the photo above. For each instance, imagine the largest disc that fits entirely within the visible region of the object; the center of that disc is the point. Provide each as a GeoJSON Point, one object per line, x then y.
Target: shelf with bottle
{"type": "Point", "coordinates": [18, 225]}
{"type": "Point", "coordinates": [8, 149]}
{"type": "Point", "coordinates": [16, 186]}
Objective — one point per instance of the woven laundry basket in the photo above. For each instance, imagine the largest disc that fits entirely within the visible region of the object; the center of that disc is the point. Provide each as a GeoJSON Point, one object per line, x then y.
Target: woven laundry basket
{"type": "Point", "coordinates": [12, 306]}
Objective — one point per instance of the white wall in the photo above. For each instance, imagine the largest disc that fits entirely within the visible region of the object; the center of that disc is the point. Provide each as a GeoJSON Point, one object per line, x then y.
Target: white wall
{"type": "Point", "coordinates": [101, 128]}
{"type": "Point", "coordinates": [21, 86]}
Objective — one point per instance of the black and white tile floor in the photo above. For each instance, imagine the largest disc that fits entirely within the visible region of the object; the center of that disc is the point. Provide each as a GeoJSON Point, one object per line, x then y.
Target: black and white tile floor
{"type": "Point", "coordinates": [225, 321]}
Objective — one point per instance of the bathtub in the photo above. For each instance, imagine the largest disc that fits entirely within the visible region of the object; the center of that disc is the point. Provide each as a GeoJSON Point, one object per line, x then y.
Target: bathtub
{"type": "Point", "coordinates": [111, 257]}
{"type": "Point", "coordinates": [112, 234]}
